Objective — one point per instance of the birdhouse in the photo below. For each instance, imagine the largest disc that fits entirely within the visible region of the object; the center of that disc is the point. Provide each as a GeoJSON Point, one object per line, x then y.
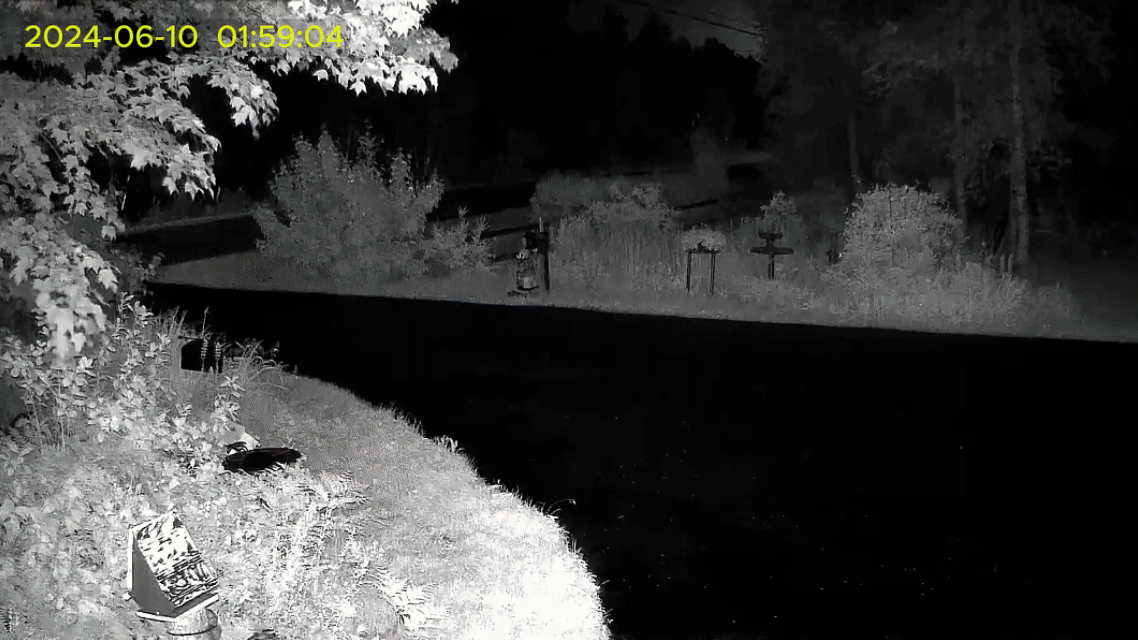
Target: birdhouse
{"type": "Point", "coordinates": [168, 576]}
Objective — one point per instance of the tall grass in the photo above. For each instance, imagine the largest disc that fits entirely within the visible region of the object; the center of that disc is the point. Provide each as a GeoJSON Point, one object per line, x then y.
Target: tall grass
{"type": "Point", "coordinates": [609, 260]}
{"type": "Point", "coordinates": [637, 255]}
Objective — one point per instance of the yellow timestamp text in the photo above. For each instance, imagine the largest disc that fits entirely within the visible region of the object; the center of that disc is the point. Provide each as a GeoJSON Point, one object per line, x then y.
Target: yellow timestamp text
{"type": "Point", "coordinates": [186, 36]}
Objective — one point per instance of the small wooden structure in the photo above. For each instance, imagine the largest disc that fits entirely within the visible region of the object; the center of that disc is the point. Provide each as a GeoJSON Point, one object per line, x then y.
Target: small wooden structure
{"type": "Point", "coordinates": [705, 250]}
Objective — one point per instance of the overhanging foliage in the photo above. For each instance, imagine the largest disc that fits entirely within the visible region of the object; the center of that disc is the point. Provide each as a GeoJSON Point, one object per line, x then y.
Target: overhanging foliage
{"type": "Point", "coordinates": [83, 93]}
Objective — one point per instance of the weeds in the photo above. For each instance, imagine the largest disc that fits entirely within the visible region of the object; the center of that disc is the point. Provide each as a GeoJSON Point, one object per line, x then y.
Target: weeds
{"type": "Point", "coordinates": [903, 263]}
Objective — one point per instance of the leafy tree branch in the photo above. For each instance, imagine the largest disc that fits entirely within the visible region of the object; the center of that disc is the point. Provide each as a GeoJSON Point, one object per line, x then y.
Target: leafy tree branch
{"type": "Point", "coordinates": [87, 101]}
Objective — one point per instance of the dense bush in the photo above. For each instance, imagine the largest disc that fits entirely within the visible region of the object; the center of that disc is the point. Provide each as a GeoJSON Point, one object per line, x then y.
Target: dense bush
{"type": "Point", "coordinates": [639, 204]}
{"type": "Point", "coordinates": [901, 228]}
{"type": "Point", "coordinates": [460, 246]}
{"type": "Point", "coordinates": [629, 236]}
{"type": "Point", "coordinates": [557, 195]}
{"type": "Point", "coordinates": [352, 221]}
{"type": "Point", "coordinates": [781, 215]}
{"type": "Point", "coordinates": [903, 258]}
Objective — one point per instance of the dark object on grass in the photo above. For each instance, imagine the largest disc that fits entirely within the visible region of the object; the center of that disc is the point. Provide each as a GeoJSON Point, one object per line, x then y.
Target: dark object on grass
{"type": "Point", "coordinates": [241, 458]}
{"type": "Point", "coordinates": [265, 634]}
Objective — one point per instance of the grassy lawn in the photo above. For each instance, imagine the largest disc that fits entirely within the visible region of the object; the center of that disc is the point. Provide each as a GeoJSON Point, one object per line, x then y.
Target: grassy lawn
{"type": "Point", "coordinates": [491, 565]}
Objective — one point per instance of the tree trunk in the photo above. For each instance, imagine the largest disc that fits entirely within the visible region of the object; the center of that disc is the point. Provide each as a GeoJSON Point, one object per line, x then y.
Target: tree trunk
{"type": "Point", "coordinates": [1018, 224]}
{"type": "Point", "coordinates": [855, 167]}
{"type": "Point", "coordinates": [959, 167]}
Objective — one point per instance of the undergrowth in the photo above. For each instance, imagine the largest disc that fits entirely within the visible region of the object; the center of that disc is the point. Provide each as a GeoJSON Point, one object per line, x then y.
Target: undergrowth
{"type": "Point", "coordinates": [120, 437]}
{"type": "Point", "coordinates": [354, 222]}
{"type": "Point", "coordinates": [904, 260]}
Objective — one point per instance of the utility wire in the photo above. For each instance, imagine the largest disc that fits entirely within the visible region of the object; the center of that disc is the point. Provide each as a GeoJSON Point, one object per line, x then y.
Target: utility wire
{"type": "Point", "coordinates": [757, 34]}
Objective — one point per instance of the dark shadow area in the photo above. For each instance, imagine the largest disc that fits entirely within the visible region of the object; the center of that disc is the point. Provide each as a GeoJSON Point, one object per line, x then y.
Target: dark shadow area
{"type": "Point", "coordinates": [759, 478]}
{"type": "Point", "coordinates": [482, 199]}
{"type": "Point", "coordinates": [195, 240]}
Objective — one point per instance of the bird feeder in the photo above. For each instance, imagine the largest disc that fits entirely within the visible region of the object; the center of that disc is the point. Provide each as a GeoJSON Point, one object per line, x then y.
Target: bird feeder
{"type": "Point", "coordinates": [526, 274]}
{"type": "Point", "coordinates": [534, 244]}
{"type": "Point", "coordinates": [170, 581]}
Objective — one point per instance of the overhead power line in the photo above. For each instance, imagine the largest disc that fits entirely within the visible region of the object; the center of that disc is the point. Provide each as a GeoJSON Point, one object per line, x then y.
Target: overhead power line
{"type": "Point", "coordinates": [689, 16]}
